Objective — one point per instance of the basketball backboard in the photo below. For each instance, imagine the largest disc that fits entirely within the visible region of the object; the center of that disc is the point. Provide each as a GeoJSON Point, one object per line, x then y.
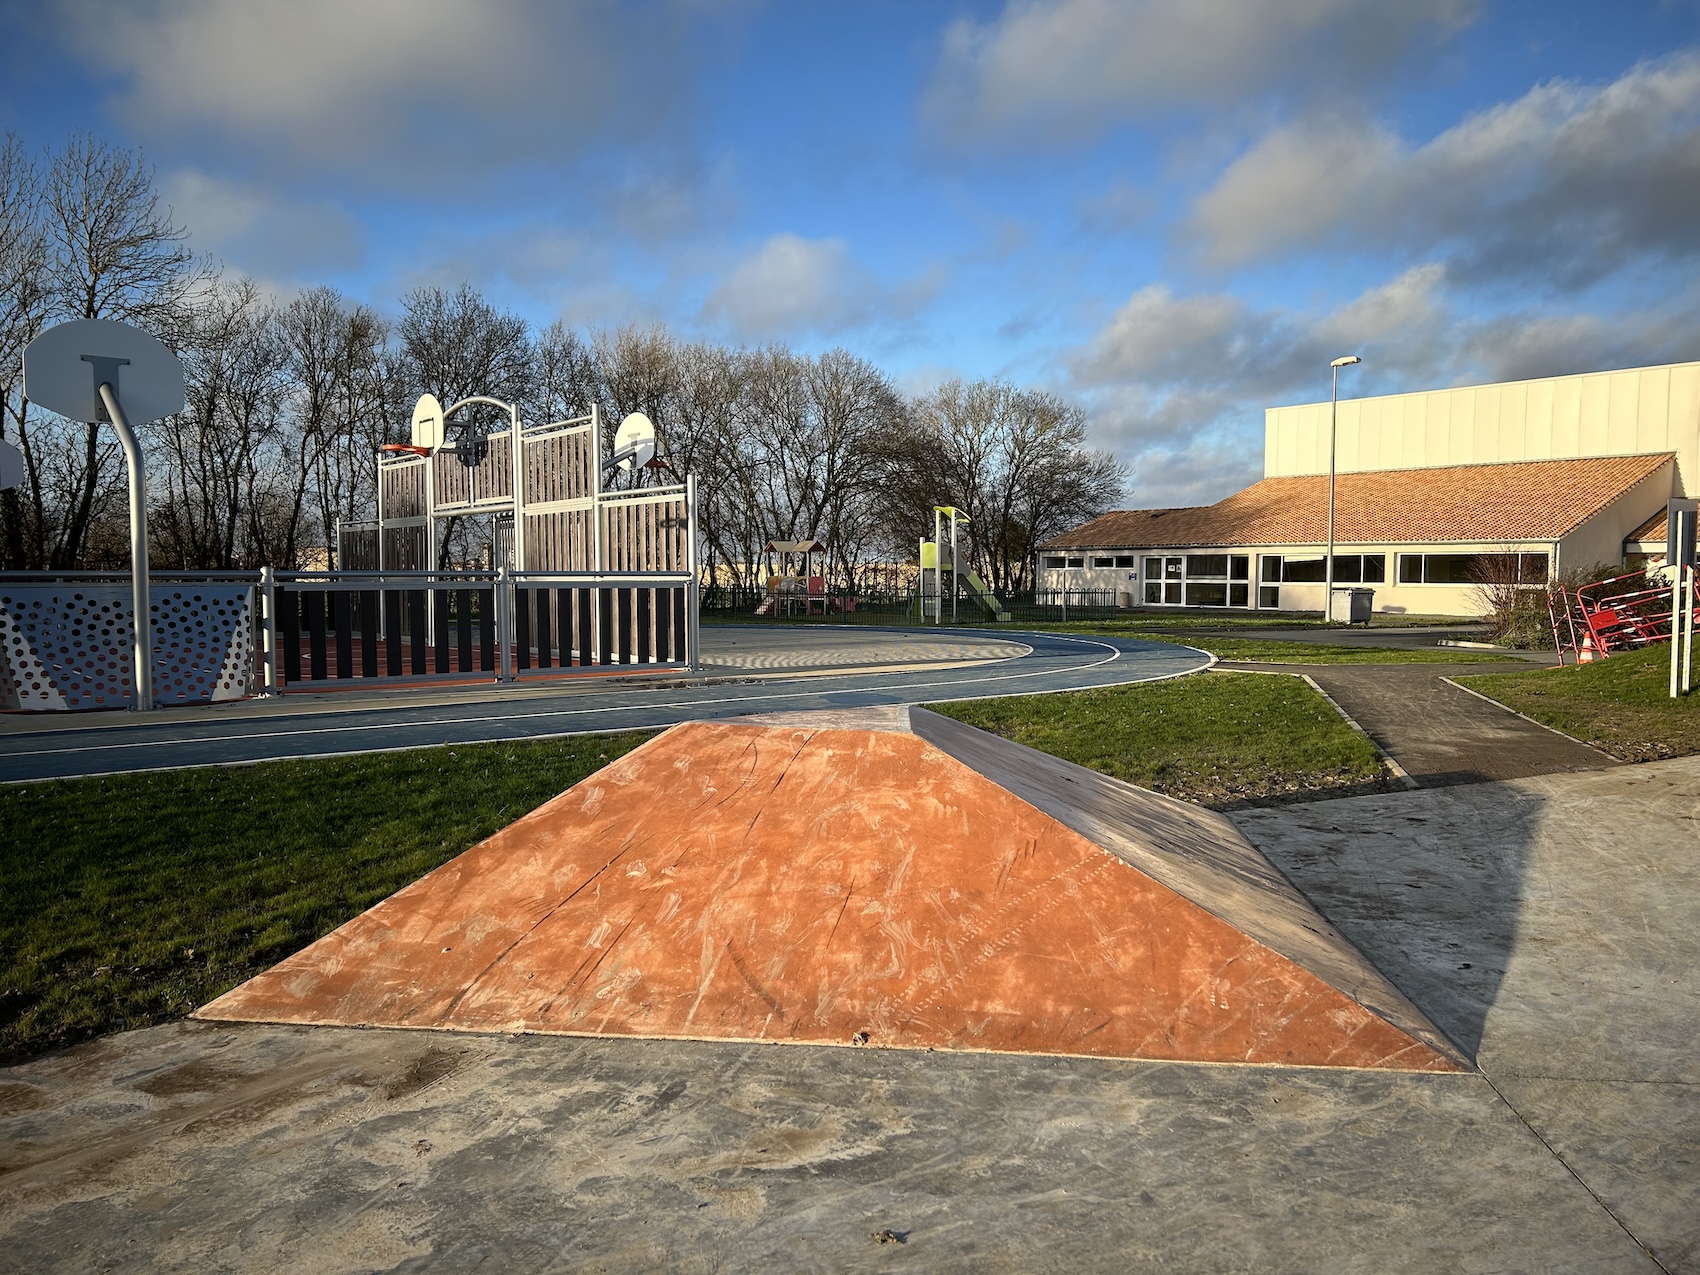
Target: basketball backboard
{"type": "Point", "coordinates": [428, 422]}
{"type": "Point", "coordinates": [65, 366]}
{"type": "Point", "coordinates": [634, 441]}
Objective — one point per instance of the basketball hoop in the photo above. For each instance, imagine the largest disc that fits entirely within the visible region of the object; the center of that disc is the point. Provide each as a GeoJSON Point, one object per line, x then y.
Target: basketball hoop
{"type": "Point", "coordinates": [406, 447]}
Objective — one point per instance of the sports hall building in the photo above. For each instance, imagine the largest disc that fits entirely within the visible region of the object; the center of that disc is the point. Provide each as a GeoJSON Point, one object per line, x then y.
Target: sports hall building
{"type": "Point", "coordinates": [1433, 490]}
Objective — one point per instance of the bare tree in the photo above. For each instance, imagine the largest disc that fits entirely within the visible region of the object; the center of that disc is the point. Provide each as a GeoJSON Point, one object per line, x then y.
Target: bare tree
{"type": "Point", "coordinates": [220, 451]}
{"type": "Point", "coordinates": [1015, 461]}
{"type": "Point", "coordinates": [341, 407]}
{"type": "Point", "coordinates": [111, 252]}
{"type": "Point", "coordinates": [23, 296]}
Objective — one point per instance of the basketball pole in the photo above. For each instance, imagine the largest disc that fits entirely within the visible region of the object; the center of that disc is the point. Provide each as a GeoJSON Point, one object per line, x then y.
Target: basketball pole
{"type": "Point", "coordinates": [138, 545]}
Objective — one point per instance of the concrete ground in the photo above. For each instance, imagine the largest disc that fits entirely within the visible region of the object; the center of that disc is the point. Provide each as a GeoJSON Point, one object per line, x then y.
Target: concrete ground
{"type": "Point", "coordinates": [1551, 925]}
{"type": "Point", "coordinates": [1438, 733]}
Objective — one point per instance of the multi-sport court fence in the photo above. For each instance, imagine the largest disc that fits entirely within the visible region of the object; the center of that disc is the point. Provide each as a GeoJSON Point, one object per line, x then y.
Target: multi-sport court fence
{"type": "Point", "coordinates": [67, 639]}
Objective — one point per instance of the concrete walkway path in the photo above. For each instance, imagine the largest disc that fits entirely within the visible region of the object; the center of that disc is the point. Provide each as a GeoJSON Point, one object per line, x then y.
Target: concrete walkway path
{"type": "Point", "coordinates": [1439, 734]}
{"type": "Point", "coordinates": [1550, 925]}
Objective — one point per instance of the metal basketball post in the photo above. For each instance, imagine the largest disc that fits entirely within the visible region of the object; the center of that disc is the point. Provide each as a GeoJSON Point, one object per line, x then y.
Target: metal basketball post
{"type": "Point", "coordinates": [107, 371]}
{"type": "Point", "coordinates": [92, 370]}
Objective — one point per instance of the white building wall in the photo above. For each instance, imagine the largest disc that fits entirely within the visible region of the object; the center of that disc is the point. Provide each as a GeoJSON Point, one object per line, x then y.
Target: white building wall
{"type": "Point", "coordinates": [1650, 409]}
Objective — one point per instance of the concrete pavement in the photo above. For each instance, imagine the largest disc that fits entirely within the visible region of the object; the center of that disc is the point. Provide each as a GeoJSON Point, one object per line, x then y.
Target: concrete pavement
{"type": "Point", "coordinates": [1438, 733]}
{"type": "Point", "coordinates": [1550, 925]}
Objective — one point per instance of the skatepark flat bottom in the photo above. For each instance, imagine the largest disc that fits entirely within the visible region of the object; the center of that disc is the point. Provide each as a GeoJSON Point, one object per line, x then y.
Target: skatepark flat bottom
{"type": "Point", "coordinates": [839, 884]}
{"type": "Point", "coordinates": [1551, 923]}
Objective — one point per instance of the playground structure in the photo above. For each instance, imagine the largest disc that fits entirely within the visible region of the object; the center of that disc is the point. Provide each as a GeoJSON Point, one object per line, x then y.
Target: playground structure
{"type": "Point", "coordinates": [943, 559]}
{"type": "Point", "coordinates": [543, 489]}
{"type": "Point", "coordinates": [796, 582]}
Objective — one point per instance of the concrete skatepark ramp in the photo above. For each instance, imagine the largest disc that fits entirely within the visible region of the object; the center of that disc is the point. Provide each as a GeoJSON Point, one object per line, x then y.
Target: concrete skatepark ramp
{"type": "Point", "coordinates": [880, 877]}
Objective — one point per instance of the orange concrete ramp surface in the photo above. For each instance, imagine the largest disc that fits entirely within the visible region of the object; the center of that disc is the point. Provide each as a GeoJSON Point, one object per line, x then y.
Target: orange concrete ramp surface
{"type": "Point", "coordinates": [918, 884]}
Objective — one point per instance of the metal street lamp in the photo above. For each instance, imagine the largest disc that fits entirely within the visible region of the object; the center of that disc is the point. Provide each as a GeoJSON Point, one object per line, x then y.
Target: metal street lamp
{"type": "Point", "coordinates": [1333, 422]}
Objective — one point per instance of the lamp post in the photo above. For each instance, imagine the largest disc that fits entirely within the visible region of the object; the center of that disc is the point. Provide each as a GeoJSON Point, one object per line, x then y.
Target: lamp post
{"type": "Point", "coordinates": [1333, 423]}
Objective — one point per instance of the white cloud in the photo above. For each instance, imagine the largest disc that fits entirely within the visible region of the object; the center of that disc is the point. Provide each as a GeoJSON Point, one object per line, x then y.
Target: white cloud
{"type": "Point", "coordinates": [261, 234]}
{"type": "Point", "coordinates": [421, 93]}
{"type": "Point", "coordinates": [1566, 184]}
{"type": "Point", "coordinates": [1177, 385]}
{"type": "Point", "coordinates": [1065, 68]}
{"type": "Point", "coordinates": [791, 286]}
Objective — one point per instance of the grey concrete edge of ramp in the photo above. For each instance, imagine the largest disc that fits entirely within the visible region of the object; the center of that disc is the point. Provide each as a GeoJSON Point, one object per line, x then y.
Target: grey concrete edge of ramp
{"type": "Point", "coordinates": [1197, 853]}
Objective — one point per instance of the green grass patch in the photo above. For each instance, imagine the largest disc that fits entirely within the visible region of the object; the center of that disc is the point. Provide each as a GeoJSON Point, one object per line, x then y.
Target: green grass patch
{"type": "Point", "coordinates": [133, 899]}
{"type": "Point", "coordinates": [1224, 739]}
{"type": "Point", "coordinates": [1272, 651]}
{"type": "Point", "coordinates": [1620, 705]}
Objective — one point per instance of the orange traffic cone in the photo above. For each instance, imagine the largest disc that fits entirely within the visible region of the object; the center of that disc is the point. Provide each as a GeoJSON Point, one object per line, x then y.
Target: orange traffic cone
{"type": "Point", "coordinates": [1587, 655]}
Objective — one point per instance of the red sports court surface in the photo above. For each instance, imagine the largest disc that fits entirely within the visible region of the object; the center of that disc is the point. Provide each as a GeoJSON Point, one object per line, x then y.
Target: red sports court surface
{"type": "Point", "coordinates": [933, 887]}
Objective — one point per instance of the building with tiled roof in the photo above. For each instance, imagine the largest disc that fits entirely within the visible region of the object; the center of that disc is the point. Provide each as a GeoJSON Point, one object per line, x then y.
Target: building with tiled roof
{"type": "Point", "coordinates": [1434, 492]}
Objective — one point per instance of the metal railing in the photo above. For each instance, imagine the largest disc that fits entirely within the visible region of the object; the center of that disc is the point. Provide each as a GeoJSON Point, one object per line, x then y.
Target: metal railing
{"type": "Point", "coordinates": [330, 627]}
{"type": "Point", "coordinates": [295, 629]}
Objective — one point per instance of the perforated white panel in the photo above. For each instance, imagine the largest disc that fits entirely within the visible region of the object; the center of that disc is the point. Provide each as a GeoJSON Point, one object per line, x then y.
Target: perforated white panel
{"type": "Point", "coordinates": [67, 647]}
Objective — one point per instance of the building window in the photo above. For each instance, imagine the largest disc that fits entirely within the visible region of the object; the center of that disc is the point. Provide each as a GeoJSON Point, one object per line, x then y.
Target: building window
{"type": "Point", "coordinates": [1360, 568]}
{"type": "Point", "coordinates": [1214, 565]}
{"type": "Point", "coordinates": [1055, 564]}
{"type": "Point", "coordinates": [1127, 561]}
{"type": "Point", "coordinates": [1103, 562]}
{"type": "Point", "coordinates": [1198, 580]}
{"type": "Point", "coordinates": [1077, 562]}
{"type": "Point", "coordinates": [1163, 581]}
{"type": "Point", "coordinates": [1302, 570]}
{"type": "Point", "coordinates": [1349, 568]}
{"type": "Point", "coordinates": [1527, 569]}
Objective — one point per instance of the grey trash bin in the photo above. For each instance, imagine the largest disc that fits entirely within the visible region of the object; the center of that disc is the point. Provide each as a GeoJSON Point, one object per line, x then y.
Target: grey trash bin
{"type": "Point", "coordinates": [1352, 605]}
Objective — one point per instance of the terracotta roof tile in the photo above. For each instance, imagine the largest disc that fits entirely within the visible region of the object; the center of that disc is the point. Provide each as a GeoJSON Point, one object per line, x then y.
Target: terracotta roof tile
{"type": "Point", "coordinates": [1529, 500]}
{"type": "Point", "coordinates": [1653, 529]}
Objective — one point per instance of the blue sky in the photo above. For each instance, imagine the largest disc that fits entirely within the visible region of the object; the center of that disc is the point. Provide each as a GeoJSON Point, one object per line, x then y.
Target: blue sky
{"type": "Point", "coordinates": [1174, 212]}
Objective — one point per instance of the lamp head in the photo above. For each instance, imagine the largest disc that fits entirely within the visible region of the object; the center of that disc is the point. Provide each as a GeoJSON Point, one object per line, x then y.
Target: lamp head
{"type": "Point", "coordinates": [1346, 362]}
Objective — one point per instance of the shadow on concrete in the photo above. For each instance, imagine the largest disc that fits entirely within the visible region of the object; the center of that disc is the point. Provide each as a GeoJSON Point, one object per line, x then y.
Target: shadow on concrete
{"type": "Point", "coordinates": [1430, 891]}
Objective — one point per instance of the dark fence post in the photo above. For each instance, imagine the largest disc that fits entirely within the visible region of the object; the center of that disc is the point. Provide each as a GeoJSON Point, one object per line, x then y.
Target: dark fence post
{"type": "Point", "coordinates": [392, 627]}
{"type": "Point", "coordinates": [416, 622]}
{"type": "Point", "coordinates": [314, 602]}
{"type": "Point", "coordinates": [289, 621]}
{"type": "Point", "coordinates": [368, 633]}
{"type": "Point", "coordinates": [522, 628]}
{"type": "Point", "coordinates": [344, 633]}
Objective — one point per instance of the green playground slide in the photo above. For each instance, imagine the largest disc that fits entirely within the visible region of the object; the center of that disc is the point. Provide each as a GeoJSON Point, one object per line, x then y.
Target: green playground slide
{"type": "Point", "coordinates": [981, 592]}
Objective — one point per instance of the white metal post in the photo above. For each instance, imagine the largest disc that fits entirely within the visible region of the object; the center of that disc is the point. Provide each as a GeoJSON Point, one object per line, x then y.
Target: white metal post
{"type": "Point", "coordinates": [1328, 559]}
{"type": "Point", "coordinates": [953, 560]}
{"type": "Point", "coordinates": [595, 488]}
{"type": "Point", "coordinates": [1675, 626]}
{"type": "Point", "coordinates": [138, 548]}
{"type": "Point", "coordinates": [1333, 424]}
{"type": "Point", "coordinates": [516, 459]}
{"type": "Point", "coordinates": [1688, 634]}
{"type": "Point", "coordinates": [693, 601]}
{"type": "Point", "coordinates": [502, 595]}
{"type": "Point", "coordinates": [268, 631]}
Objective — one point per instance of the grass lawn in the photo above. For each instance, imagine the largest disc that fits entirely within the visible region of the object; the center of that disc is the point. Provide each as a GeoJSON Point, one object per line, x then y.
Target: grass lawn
{"type": "Point", "coordinates": [1221, 740]}
{"type": "Point", "coordinates": [1621, 705]}
{"type": "Point", "coordinates": [130, 900]}
{"type": "Point", "coordinates": [1273, 651]}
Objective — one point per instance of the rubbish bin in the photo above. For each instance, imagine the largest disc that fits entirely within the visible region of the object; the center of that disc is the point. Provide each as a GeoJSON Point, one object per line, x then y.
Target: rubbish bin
{"type": "Point", "coordinates": [1352, 606]}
